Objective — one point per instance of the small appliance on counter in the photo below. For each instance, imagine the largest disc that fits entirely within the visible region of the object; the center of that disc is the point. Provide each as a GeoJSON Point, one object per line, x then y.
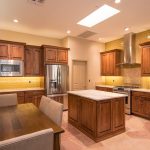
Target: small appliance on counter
{"type": "Point", "coordinates": [57, 83]}
{"type": "Point", "coordinates": [11, 68]}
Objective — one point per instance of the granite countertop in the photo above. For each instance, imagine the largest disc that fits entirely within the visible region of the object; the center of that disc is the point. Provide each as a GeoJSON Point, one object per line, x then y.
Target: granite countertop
{"type": "Point", "coordinates": [141, 90]}
{"type": "Point", "coordinates": [97, 95]}
{"type": "Point", "coordinates": [20, 89]}
{"type": "Point", "coordinates": [108, 86]}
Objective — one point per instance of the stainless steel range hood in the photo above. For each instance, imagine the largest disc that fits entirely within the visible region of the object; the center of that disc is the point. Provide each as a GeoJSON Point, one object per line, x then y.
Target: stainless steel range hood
{"type": "Point", "coordinates": [129, 51]}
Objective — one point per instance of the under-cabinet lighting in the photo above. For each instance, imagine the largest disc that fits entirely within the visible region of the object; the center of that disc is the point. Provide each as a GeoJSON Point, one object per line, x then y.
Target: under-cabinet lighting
{"type": "Point", "coordinates": [15, 20]}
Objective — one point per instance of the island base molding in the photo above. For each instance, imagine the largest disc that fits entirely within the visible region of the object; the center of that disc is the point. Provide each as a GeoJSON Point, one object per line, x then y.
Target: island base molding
{"type": "Point", "coordinates": [99, 120]}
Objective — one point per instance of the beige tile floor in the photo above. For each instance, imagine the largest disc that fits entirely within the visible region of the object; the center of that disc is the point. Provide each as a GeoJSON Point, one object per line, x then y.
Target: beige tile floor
{"type": "Point", "coordinates": [136, 137]}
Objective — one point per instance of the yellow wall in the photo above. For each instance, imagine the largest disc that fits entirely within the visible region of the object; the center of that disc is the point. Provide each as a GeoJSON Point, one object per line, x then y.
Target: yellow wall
{"type": "Point", "coordinates": [21, 82]}
{"type": "Point", "coordinates": [28, 38]}
{"type": "Point", "coordinates": [130, 75]}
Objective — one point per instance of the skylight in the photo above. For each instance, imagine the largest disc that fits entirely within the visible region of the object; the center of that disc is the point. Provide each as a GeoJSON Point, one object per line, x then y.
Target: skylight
{"type": "Point", "coordinates": [102, 13]}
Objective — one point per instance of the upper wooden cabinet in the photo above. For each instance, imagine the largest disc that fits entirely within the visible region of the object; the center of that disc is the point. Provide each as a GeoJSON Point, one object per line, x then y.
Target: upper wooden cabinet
{"type": "Point", "coordinates": [145, 65]}
{"type": "Point", "coordinates": [11, 50]}
{"type": "Point", "coordinates": [33, 61]}
{"type": "Point", "coordinates": [53, 54]}
{"type": "Point", "coordinates": [109, 61]}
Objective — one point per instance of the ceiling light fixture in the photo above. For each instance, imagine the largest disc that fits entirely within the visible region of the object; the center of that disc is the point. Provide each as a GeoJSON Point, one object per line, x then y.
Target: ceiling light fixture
{"type": "Point", "coordinates": [117, 1]}
{"type": "Point", "coordinates": [68, 31]}
{"type": "Point", "coordinates": [102, 13]}
{"type": "Point", "coordinates": [15, 20]}
{"type": "Point", "coordinates": [126, 29]}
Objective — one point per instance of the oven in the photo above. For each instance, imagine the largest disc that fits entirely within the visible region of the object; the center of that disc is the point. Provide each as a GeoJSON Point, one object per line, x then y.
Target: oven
{"type": "Point", "coordinates": [11, 68]}
{"type": "Point", "coordinates": [127, 91]}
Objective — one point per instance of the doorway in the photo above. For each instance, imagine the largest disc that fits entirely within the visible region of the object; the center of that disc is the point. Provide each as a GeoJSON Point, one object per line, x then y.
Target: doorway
{"type": "Point", "coordinates": [79, 75]}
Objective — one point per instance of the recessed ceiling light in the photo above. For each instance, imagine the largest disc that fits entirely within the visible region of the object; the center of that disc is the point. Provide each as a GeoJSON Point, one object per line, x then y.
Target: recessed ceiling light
{"type": "Point", "coordinates": [102, 13]}
{"type": "Point", "coordinates": [117, 1]}
{"type": "Point", "coordinates": [126, 29]}
{"type": "Point", "coordinates": [68, 31]}
{"type": "Point", "coordinates": [100, 39]}
{"type": "Point", "coordinates": [15, 20]}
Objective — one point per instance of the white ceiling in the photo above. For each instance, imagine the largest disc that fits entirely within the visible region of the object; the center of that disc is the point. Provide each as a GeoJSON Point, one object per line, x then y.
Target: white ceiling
{"type": "Point", "coordinates": [54, 17]}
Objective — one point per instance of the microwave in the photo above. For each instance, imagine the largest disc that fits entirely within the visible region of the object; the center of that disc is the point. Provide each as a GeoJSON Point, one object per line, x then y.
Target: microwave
{"type": "Point", "coordinates": [11, 68]}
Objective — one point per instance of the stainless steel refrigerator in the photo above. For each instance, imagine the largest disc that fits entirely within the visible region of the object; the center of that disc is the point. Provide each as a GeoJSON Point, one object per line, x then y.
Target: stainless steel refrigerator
{"type": "Point", "coordinates": [57, 83]}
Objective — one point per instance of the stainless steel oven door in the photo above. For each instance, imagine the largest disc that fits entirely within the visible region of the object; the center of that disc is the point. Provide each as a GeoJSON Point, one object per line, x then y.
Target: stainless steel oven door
{"type": "Point", "coordinates": [11, 68]}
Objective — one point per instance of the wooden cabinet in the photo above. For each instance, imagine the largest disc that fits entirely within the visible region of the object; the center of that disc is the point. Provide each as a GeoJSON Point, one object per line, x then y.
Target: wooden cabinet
{"type": "Point", "coordinates": [73, 112]}
{"type": "Point", "coordinates": [104, 114]}
{"type": "Point", "coordinates": [33, 97]}
{"type": "Point", "coordinates": [141, 104]}
{"type": "Point", "coordinates": [28, 96]}
{"type": "Point", "coordinates": [4, 51]}
{"type": "Point", "coordinates": [53, 54]}
{"type": "Point", "coordinates": [87, 108]}
{"type": "Point", "coordinates": [145, 65]}
{"type": "Point", "coordinates": [118, 114]}
{"type": "Point", "coordinates": [109, 61]}
{"type": "Point", "coordinates": [97, 119]}
{"type": "Point", "coordinates": [62, 56]}
{"type": "Point", "coordinates": [11, 50]}
{"type": "Point", "coordinates": [107, 89]}
{"type": "Point", "coordinates": [33, 61]}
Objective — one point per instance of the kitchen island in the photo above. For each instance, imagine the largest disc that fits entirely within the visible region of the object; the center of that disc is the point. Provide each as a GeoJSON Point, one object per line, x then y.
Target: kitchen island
{"type": "Point", "coordinates": [97, 114]}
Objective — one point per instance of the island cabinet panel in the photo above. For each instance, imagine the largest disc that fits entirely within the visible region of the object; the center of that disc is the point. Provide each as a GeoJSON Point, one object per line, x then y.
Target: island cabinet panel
{"type": "Point", "coordinates": [73, 111]}
{"type": "Point", "coordinates": [87, 110]}
{"type": "Point", "coordinates": [104, 116]}
{"type": "Point", "coordinates": [141, 104]}
{"type": "Point", "coordinates": [97, 119]}
{"type": "Point", "coordinates": [118, 114]}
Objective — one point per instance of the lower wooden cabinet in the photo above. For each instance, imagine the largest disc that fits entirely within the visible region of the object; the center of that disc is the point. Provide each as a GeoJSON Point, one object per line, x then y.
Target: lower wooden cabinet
{"type": "Point", "coordinates": [97, 119]}
{"type": "Point", "coordinates": [141, 104]}
{"type": "Point", "coordinates": [28, 96]}
{"type": "Point", "coordinates": [107, 89]}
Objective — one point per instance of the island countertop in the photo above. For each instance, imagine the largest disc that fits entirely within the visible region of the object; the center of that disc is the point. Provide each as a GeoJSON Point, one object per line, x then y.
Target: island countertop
{"type": "Point", "coordinates": [97, 95]}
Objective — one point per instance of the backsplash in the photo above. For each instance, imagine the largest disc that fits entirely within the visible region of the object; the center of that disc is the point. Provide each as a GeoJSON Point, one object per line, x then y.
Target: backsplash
{"type": "Point", "coordinates": [132, 76]}
{"type": "Point", "coordinates": [21, 82]}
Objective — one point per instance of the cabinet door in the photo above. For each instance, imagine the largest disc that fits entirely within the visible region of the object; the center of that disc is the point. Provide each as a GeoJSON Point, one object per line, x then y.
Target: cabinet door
{"type": "Point", "coordinates": [62, 56]}
{"type": "Point", "coordinates": [146, 61]}
{"type": "Point", "coordinates": [29, 97]}
{"type": "Point", "coordinates": [111, 63]}
{"type": "Point", "coordinates": [104, 64]}
{"type": "Point", "coordinates": [4, 51]}
{"type": "Point", "coordinates": [17, 52]}
{"type": "Point", "coordinates": [28, 62]}
{"type": "Point", "coordinates": [145, 106]}
{"type": "Point", "coordinates": [37, 67]}
{"type": "Point", "coordinates": [73, 109]}
{"type": "Point", "coordinates": [136, 104]}
{"type": "Point", "coordinates": [20, 97]}
{"type": "Point", "coordinates": [87, 115]}
{"type": "Point", "coordinates": [50, 55]}
{"type": "Point", "coordinates": [118, 113]}
{"type": "Point", "coordinates": [104, 118]}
